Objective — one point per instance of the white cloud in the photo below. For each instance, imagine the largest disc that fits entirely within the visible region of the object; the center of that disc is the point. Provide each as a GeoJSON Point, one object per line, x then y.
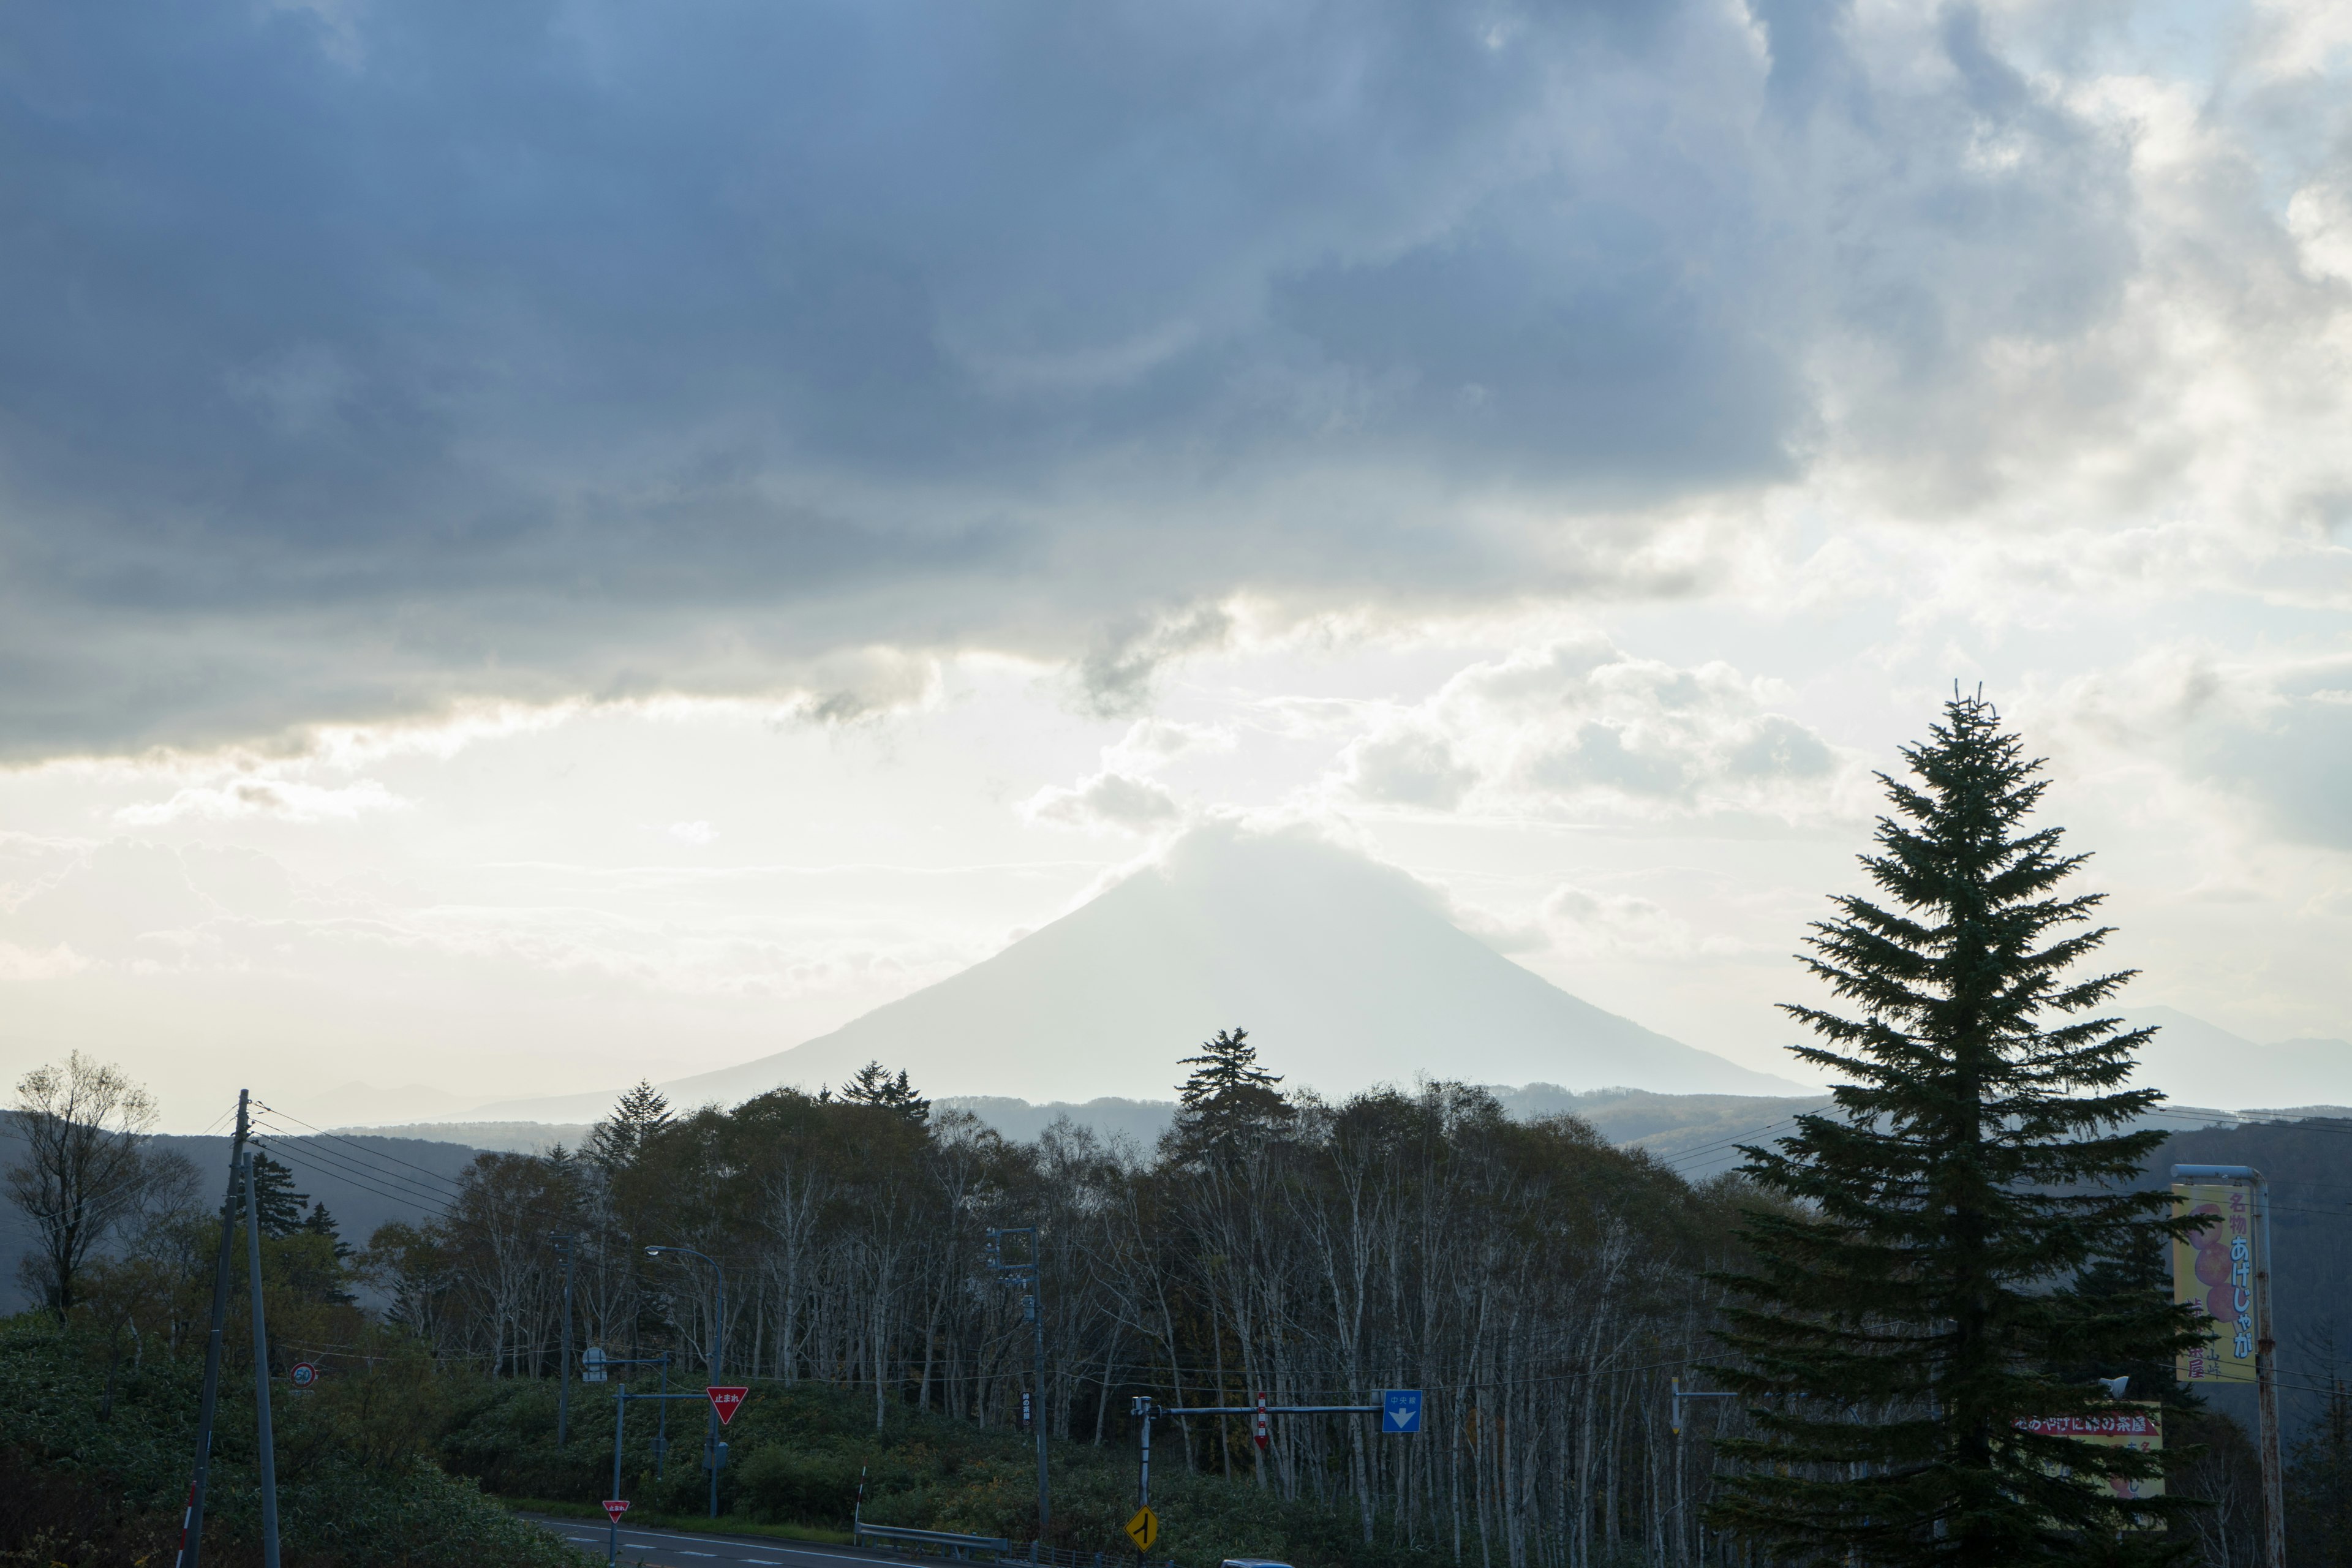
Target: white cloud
{"type": "Point", "coordinates": [288, 800]}
{"type": "Point", "coordinates": [694, 833]}
{"type": "Point", "coordinates": [1106, 801]}
{"type": "Point", "coordinates": [1152, 743]}
{"type": "Point", "coordinates": [1579, 725]}
{"type": "Point", "coordinates": [18, 964]}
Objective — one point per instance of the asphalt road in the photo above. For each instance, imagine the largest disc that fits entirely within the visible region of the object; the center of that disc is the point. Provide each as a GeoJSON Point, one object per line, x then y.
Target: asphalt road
{"type": "Point", "coordinates": [687, 1549]}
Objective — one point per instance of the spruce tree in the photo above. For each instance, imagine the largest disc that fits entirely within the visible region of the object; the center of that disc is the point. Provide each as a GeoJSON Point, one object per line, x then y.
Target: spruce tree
{"type": "Point", "coordinates": [875, 1086]}
{"type": "Point", "coordinates": [1227, 1097]}
{"type": "Point", "coordinates": [281, 1204]}
{"type": "Point", "coordinates": [614, 1143]}
{"type": "Point", "coordinates": [1943, 1266]}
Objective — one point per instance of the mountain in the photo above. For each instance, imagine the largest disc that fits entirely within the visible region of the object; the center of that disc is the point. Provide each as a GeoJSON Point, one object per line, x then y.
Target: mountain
{"type": "Point", "coordinates": [1346, 973]}
{"type": "Point", "coordinates": [2204, 1064]}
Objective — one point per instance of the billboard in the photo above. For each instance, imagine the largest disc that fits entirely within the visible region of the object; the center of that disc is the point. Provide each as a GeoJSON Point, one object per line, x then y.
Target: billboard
{"type": "Point", "coordinates": [2141, 1429]}
{"type": "Point", "coordinates": [2213, 1270]}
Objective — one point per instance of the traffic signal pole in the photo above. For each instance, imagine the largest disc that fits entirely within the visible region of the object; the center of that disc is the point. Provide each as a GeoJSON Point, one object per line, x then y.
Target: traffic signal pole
{"type": "Point", "coordinates": [1147, 1410]}
{"type": "Point", "coordinates": [1025, 1275]}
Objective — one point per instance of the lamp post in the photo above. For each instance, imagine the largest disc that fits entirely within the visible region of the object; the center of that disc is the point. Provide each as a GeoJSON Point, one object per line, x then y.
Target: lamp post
{"type": "Point", "coordinates": [718, 1358]}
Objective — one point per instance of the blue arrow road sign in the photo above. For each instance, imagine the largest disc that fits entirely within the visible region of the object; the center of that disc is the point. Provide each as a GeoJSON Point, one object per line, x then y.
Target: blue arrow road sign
{"type": "Point", "coordinates": [1401, 1410]}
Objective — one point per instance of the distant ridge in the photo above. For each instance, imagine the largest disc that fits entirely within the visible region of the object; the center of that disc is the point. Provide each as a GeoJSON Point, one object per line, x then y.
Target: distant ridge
{"type": "Point", "coordinates": [1346, 971]}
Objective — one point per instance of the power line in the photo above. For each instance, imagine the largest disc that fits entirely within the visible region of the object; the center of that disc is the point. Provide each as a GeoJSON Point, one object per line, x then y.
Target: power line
{"type": "Point", "coordinates": [362, 1177]}
{"type": "Point", "coordinates": [338, 1138]}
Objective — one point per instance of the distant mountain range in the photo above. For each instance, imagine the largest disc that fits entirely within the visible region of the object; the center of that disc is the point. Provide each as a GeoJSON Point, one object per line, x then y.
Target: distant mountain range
{"type": "Point", "coordinates": [1347, 973]}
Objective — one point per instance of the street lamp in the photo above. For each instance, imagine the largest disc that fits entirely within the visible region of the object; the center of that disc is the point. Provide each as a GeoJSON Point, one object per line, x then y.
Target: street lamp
{"type": "Point", "coordinates": [711, 1447]}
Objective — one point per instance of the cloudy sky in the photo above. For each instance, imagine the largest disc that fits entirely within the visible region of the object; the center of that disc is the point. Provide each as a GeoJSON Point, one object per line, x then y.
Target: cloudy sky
{"type": "Point", "coordinates": [544, 542]}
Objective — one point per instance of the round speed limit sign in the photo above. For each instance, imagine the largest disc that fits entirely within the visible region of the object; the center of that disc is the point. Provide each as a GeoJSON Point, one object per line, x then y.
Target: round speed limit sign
{"type": "Point", "coordinates": [304, 1374]}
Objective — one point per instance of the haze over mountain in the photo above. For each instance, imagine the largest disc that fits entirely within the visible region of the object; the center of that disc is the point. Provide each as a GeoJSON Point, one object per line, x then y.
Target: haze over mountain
{"type": "Point", "coordinates": [1347, 973]}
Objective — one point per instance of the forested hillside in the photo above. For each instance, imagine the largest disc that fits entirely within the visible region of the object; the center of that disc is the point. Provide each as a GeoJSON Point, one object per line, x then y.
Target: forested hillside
{"type": "Point", "coordinates": [1542, 1286]}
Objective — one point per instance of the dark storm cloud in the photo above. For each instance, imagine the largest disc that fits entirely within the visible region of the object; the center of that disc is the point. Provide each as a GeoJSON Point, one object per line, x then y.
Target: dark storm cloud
{"type": "Point", "coordinates": [358, 356]}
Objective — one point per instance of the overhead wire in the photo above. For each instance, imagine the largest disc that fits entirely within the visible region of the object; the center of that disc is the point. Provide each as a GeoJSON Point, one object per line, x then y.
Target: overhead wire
{"type": "Point", "coordinates": [338, 1138]}
{"type": "Point", "coordinates": [429, 1205]}
{"type": "Point", "coordinates": [371, 1178]}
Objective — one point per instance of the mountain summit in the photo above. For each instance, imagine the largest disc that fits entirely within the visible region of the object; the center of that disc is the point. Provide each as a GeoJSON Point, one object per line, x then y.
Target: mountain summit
{"type": "Point", "coordinates": [1348, 972]}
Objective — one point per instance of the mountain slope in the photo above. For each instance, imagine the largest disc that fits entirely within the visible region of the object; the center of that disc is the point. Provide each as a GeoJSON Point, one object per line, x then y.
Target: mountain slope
{"type": "Point", "coordinates": [1346, 973]}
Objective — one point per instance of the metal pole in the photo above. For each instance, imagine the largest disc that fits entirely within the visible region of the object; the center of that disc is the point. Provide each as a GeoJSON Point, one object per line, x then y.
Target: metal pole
{"type": "Point", "coordinates": [1143, 1409]}
{"type": "Point", "coordinates": [718, 1358]}
{"type": "Point", "coordinates": [563, 1389]}
{"type": "Point", "coordinates": [261, 1371]}
{"type": "Point", "coordinates": [619, 1416]}
{"type": "Point", "coordinates": [2266, 1394]}
{"type": "Point", "coordinates": [661, 1436]}
{"type": "Point", "coordinates": [192, 1524]}
{"type": "Point", "coordinates": [1037, 1322]}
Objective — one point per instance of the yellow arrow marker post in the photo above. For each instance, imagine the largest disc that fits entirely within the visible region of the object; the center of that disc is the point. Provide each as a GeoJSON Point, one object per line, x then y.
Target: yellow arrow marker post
{"type": "Point", "coordinates": [1143, 1528]}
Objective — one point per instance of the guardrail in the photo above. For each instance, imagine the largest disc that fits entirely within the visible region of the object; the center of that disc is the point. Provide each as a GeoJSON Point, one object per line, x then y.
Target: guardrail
{"type": "Point", "coordinates": [945, 1541]}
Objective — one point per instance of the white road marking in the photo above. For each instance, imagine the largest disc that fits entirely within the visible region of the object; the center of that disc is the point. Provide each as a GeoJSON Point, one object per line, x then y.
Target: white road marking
{"type": "Point", "coordinates": [811, 1551]}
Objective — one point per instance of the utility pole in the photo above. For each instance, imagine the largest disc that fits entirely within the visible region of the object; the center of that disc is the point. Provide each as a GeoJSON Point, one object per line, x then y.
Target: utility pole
{"type": "Point", "coordinates": [2265, 1355]}
{"type": "Point", "coordinates": [1023, 1276]}
{"type": "Point", "coordinates": [564, 1240]}
{"type": "Point", "coordinates": [261, 1371]}
{"type": "Point", "coordinates": [192, 1524]}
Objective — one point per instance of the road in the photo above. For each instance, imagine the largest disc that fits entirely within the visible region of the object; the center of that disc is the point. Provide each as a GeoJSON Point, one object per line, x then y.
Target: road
{"type": "Point", "coordinates": [687, 1549]}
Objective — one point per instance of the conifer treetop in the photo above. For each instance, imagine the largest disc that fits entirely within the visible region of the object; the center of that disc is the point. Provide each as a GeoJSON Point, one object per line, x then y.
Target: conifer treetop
{"type": "Point", "coordinates": [638, 1114]}
{"type": "Point", "coordinates": [1227, 1096]}
{"type": "Point", "coordinates": [874, 1085]}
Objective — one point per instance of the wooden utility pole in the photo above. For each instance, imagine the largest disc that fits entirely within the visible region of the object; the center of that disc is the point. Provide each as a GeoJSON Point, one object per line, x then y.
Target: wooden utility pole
{"type": "Point", "coordinates": [191, 1523]}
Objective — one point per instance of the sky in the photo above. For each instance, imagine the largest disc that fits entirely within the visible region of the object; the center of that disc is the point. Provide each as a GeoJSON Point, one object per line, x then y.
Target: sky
{"type": "Point", "coordinates": [544, 543]}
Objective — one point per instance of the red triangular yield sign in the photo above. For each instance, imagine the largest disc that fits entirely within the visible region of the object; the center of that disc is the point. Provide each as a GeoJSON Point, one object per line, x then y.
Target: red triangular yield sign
{"type": "Point", "coordinates": [725, 1400]}
{"type": "Point", "coordinates": [616, 1507]}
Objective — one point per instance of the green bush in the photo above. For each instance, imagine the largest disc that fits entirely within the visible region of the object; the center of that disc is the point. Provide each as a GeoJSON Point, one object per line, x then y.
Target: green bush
{"type": "Point", "coordinates": [797, 1452]}
{"type": "Point", "coordinates": [356, 1489]}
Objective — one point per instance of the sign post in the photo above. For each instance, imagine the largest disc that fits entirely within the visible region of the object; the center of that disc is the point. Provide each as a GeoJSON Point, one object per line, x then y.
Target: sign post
{"type": "Point", "coordinates": [2224, 1268]}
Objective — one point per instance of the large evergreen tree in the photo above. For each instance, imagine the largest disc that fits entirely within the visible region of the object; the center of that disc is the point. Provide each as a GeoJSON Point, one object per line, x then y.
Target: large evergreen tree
{"type": "Point", "coordinates": [281, 1205]}
{"type": "Point", "coordinates": [1943, 1268]}
{"type": "Point", "coordinates": [1227, 1097]}
{"type": "Point", "coordinates": [614, 1143]}
{"type": "Point", "coordinates": [875, 1086]}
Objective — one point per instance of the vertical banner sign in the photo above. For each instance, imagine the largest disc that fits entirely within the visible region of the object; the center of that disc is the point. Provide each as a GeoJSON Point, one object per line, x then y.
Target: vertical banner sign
{"type": "Point", "coordinates": [2214, 1270]}
{"type": "Point", "coordinates": [1261, 1429]}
